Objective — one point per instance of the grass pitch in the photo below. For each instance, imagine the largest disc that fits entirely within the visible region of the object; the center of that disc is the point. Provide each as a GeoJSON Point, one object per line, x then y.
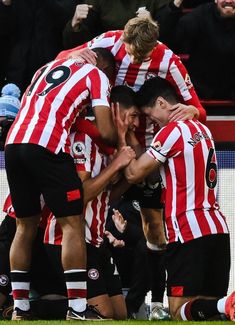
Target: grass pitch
{"type": "Point", "coordinates": [127, 322]}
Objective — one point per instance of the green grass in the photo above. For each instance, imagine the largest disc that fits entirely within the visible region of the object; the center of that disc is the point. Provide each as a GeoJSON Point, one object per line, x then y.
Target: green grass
{"type": "Point", "coordinates": [127, 322]}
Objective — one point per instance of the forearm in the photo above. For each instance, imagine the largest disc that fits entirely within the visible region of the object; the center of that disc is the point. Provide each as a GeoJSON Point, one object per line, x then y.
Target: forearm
{"type": "Point", "coordinates": [93, 186]}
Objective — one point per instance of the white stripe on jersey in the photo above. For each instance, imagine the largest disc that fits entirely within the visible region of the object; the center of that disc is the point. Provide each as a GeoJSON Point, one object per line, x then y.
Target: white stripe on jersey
{"type": "Point", "coordinates": [189, 167]}
{"type": "Point", "coordinates": [123, 71]}
{"type": "Point", "coordinates": [164, 65]}
{"type": "Point", "coordinates": [193, 224]}
{"type": "Point", "coordinates": [116, 47]}
{"type": "Point", "coordinates": [101, 41]}
{"type": "Point", "coordinates": [141, 76]}
{"type": "Point", "coordinates": [180, 82]}
{"type": "Point", "coordinates": [210, 222]}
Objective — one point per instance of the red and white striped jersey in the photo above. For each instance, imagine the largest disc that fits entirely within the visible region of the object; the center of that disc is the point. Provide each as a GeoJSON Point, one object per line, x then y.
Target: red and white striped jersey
{"type": "Point", "coordinates": [162, 62]}
{"type": "Point", "coordinates": [88, 157]}
{"type": "Point", "coordinates": [53, 101]}
{"type": "Point", "coordinates": [189, 175]}
{"type": "Point", "coordinates": [8, 207]}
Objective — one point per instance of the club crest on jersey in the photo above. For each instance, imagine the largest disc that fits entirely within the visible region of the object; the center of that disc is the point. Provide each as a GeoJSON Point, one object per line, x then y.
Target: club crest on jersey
{"type": "Point", "coordinates": [4, 280]}
{"type": "Point", "coordinates": [93, 274]}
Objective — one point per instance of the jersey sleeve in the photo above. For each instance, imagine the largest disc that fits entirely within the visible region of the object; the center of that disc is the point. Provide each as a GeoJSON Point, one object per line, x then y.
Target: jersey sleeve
{"type": "Point", "coordinates": [105, 40]}
{"type": "Point", "coordinates": [180, 77]}
{"type": "Point", "coordinates": [99, 87]}
{"type": "Point", "coordinates": [166, 143]}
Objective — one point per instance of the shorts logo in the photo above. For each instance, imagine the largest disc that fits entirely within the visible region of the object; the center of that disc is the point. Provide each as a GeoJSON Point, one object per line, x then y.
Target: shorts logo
{"type": "Point", "coordinates": [4, 280]}
{"type": "Point", "coordinates": [73, 195]}
{"type": "Point", "coordinates": [177, 291]}
{"type": "Point", "coordinates": [93, 274]}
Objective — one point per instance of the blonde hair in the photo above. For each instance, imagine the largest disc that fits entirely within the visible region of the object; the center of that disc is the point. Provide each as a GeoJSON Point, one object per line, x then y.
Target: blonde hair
{"type": "Point", "coordinates": [142, 34]}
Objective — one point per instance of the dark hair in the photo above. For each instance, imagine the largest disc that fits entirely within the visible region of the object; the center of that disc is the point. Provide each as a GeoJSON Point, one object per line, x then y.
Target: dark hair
{"type": "Point", "coordinates": [124, 95]}
{"type": "Point", "coordinates": [105, 56]}
{"type": "Point", "coordinates": [153, 88]}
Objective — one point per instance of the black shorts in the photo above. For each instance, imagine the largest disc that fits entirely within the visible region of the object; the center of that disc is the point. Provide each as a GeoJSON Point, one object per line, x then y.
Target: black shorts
{"type": "Point", "coordinates": [199, 267]}
{"type": "Point", "coordinates": [102, 274]}
{"type": "Point", "coordinates": [148, 196]}
{"type": "Point", "coordinates": [102, 278]}
{"type": "Point", "coordinates": [33, 170]}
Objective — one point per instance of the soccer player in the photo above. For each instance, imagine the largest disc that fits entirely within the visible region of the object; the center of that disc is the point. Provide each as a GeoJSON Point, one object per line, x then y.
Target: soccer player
{"type": "Point", "coordinates": [198, 252]}
{"type": "Point", "coordinates": [140, 56]}
{"type": "Point", "coordinates": [38, 162]}
{"type": "Point", "coordinates": [91, 157]}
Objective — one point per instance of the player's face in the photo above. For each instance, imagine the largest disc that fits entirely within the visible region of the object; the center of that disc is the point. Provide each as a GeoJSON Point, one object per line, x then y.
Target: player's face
{"type": "Point", "coordinates": [156, 113]}
{"type": "Point", "coordinates": [226, 7]}
{"type": "Point", "coordinates": [133, 54]}
{"type": "Point", "coordinates": [133, 118]}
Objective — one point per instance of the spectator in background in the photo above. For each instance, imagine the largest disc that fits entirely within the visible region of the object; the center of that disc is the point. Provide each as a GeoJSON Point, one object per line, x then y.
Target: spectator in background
{"type": "Point", "coordinates": [95, 17]}
{"type": "Point", "coordinates": [9, 107]}
{"type": "Point", "coordinates": [6, 35]}
{"type": "Point", "coordinates": [36, 31]}
{"type": "Point", "coordinates": [207, 34]}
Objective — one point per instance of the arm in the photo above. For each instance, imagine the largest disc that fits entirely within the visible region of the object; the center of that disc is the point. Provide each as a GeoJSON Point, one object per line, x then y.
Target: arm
{"type": "Point", "coordinates": [138, 169]}
{"type": "Point", "coordinates": [93, 186]}
{"type": "Point", "coordinates": [179, 77]}
{"type": "Point", "coordinates": [104, 124]}
{"type": "Point", "coordinates": [84, 26]}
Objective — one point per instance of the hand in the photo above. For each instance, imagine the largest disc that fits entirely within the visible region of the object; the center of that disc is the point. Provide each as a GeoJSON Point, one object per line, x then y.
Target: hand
{"type": "Point", "coordinates": [143, 13]}
{"type": "Point", "coordinates": [124, 157]}
{"type": "Point", "coordinates": [81, 13]}
{"type": "Point", "coordinates": [182, 112]}
{"type": "Point", "coordinates": [178, 3]}
{"type": "Point", "coordinates": [121, 123]}
{"type": "Point", "coordinates": [114, 241]}
{"type": "Point", "coordinates": [119, 221]}
{"type": "Point", "coordinates": [84, 55]}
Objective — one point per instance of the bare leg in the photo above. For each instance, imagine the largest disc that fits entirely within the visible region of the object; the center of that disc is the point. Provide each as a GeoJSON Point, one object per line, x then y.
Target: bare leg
{"type": "Point", "coordinates": [152, 221]}
{"type": "Point", "coordinates": [73, 247]}
{"type": "Point", "coordinates": [21, 248]}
